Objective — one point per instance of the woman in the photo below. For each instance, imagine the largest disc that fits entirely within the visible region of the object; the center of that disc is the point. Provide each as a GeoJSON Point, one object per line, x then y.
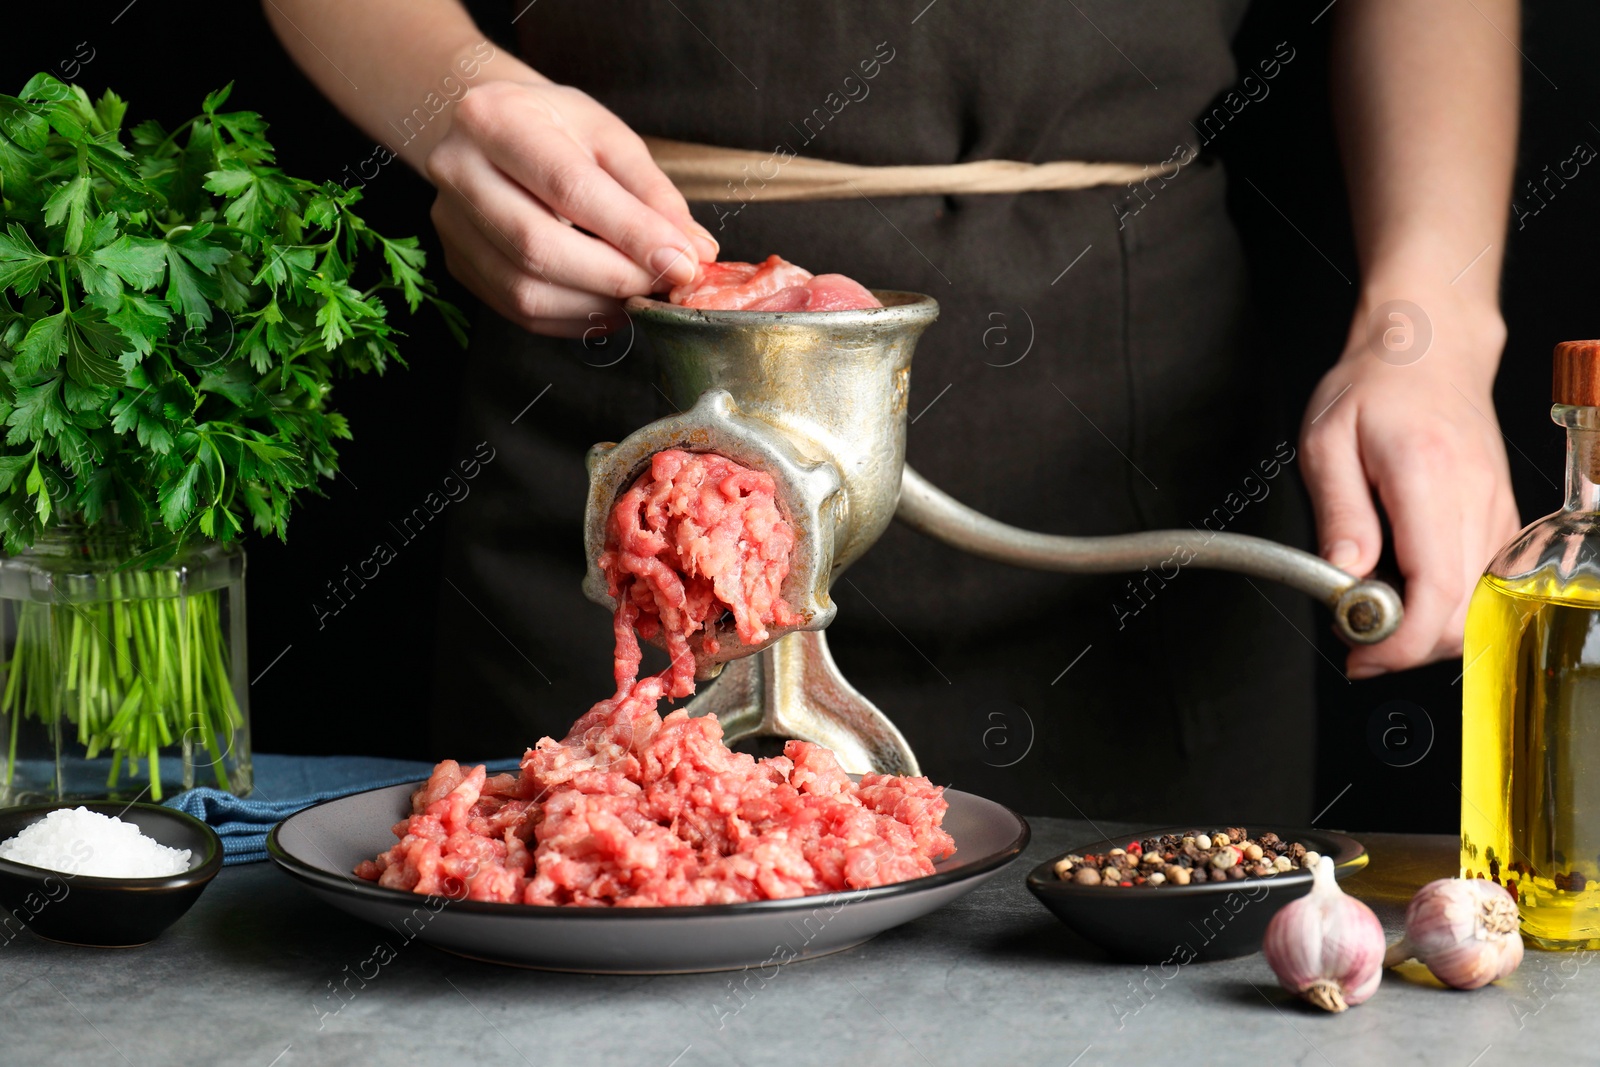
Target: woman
{"type": "Point", "coordinates": [1134, 405]}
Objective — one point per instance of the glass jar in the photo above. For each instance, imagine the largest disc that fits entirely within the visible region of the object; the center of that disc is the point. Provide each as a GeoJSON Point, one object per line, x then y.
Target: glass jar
{"type": "Point", "coordinates": [1530, 780]}
{"type": "Point", "coordinates": [121, 680]}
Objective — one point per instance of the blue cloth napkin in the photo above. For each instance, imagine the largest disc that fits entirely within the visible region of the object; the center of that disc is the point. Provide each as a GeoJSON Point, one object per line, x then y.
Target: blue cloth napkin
{"type": "Point", "coordinates": [287, 784]}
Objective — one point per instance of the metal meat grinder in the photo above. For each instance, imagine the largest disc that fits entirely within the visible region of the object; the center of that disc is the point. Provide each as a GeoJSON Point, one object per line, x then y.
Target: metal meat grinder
{"type": "Point", "coordinates": [818, 401]}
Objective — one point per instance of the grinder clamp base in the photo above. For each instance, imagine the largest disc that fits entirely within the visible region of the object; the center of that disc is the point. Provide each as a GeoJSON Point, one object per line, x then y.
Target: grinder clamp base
{"type": "Point", "coordinates": [793, 688]}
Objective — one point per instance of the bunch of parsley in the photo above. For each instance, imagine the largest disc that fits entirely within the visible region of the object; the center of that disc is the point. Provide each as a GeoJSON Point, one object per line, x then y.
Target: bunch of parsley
{"type": "Point", "coordinates": [174, 309]}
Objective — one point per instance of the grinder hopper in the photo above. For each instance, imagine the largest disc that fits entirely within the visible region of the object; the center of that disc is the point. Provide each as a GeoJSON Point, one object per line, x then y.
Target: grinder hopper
{"type": "Point", "coordinates": [818, 401]}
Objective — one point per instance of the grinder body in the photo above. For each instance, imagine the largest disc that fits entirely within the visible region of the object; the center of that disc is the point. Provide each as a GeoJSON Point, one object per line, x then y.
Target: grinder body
{"type": "Point", "coordinates": [818, 401]}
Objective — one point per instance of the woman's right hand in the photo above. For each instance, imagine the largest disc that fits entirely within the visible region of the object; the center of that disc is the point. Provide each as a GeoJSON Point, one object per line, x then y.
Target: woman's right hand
{"type": "Point", "coordinates": [528, 171]}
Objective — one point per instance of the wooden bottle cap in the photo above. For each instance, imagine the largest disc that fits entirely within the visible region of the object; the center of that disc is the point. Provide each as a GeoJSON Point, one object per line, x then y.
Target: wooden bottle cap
{"type": "Point", "coordinates": [1576, 378]}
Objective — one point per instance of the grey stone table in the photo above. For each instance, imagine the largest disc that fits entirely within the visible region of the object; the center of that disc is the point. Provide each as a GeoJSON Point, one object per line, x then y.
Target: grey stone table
{"type": "Point", "coordinates": [249, 977]}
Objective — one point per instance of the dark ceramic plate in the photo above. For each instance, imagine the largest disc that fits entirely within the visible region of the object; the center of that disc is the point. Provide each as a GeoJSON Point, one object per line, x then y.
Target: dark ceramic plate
{"type": "Point", "coordinates": [321, 845]}
{"type": "Point", "coordinates": [108, 912]}
{"type": "Point", "coordinates": [1215, 921]}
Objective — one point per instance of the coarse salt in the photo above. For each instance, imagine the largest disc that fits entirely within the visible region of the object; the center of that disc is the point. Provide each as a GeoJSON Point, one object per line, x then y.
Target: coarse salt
{"type": "Point", "coordinates": [80, 841]}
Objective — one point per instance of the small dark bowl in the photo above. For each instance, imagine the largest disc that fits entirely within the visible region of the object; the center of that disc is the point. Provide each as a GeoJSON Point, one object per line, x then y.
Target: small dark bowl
{"type": "Point", "coordinates": [1181, 924]}
{"type": "Point", "coordinates": [107, 912]}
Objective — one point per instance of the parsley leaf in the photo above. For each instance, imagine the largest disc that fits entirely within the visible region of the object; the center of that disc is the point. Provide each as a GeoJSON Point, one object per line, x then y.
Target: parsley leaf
{"type": "Point", "coordinates": [138, 261]}
{"type": "Point", "coordinates": [22, 265]}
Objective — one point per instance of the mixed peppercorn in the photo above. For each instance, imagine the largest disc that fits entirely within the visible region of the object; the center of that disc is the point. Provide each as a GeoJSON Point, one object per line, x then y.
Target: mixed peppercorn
{"type": "Point", "coordinates": [1229, 855]}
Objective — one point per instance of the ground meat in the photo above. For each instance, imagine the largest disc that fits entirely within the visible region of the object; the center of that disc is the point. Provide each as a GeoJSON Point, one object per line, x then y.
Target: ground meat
{"type": "Point", "coordinates": [776, 285]}
{"type": "Point", "coordinates": [631, 809]}
{"type": "Point", "coordinates": [696, 536]}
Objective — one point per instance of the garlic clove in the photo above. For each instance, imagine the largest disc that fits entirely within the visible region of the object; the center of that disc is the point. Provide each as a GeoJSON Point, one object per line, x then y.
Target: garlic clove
{"type": "Point", "coordinates": [1464, 930]}
{"type": "Point", "coordinates": [1327, 947]}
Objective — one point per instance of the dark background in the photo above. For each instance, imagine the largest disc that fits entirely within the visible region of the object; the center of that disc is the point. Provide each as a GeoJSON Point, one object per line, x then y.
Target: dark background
{"type": "Point", "coordinates": [360, 683]}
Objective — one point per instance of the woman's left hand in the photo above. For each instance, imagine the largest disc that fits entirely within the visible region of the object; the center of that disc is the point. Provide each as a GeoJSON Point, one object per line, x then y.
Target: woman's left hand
{"type": "Point", "coordinates": [1408, 411]}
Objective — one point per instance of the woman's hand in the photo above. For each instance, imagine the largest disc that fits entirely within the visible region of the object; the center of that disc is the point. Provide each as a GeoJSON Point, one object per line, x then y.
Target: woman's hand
{"type": "Point", "coordinates": [551, 210]}
{"type": "Point", "coordinates": [1417, 425]}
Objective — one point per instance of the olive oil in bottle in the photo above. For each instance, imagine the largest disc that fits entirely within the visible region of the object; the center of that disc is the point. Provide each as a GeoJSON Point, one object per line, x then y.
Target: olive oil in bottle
{"type": "Point", "coordinates": [1530, 778]}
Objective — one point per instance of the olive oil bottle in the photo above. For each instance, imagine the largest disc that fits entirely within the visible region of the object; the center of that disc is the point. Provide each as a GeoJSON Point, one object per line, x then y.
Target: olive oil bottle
{"type": "Point", "coordinates": [1530, 778]}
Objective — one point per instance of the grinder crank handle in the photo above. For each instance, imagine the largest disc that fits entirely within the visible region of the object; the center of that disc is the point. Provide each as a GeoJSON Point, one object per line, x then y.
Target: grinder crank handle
{"type": "Point", "coordinates": [1365, 611]}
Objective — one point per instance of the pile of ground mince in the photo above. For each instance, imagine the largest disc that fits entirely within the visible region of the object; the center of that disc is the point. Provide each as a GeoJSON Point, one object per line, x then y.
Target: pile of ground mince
{"type": "Point", "coordinates": [80, 841]}
{"type": "Point", "coordinates": [636, 809]}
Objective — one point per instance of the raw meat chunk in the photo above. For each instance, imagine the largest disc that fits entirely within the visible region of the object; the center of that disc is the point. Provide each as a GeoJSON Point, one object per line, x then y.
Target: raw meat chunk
{"type": "Point", "coordinates": [776, 285]}
{"type": "Point", "coordinates": [736, 285]}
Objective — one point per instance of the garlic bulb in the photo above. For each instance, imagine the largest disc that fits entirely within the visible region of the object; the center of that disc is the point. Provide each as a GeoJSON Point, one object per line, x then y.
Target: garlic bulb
{"type": "Point", "coordinates": [1326, 947]}
{"type": "Point", "coordinates": [1464, 930]}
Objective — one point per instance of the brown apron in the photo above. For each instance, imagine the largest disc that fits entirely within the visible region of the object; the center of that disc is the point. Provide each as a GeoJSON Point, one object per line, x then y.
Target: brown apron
{"type": "Point", "coordinates": [1089, 374]}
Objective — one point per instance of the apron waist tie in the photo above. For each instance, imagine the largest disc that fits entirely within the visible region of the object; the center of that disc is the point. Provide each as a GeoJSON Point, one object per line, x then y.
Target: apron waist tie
{"type": "Point", "coordinates": [711, 174]}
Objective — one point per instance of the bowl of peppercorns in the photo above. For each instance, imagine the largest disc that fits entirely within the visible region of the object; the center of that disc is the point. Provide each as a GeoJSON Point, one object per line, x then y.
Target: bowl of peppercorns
{"type": "Point", "coordinates": [1183, 895]}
